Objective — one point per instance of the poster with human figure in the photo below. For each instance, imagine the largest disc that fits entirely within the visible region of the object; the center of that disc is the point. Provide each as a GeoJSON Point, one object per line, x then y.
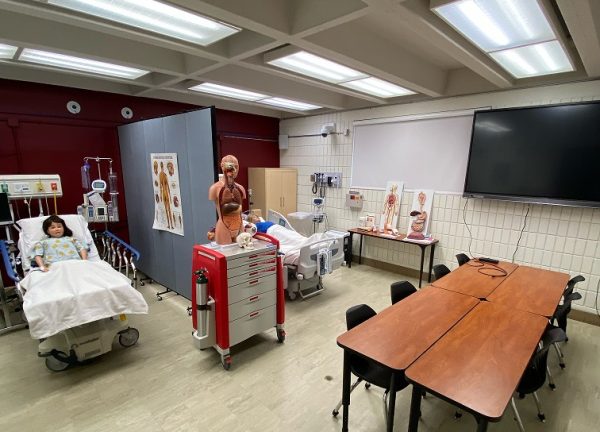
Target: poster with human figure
{"type": "Point", "coordinates": [420, 214]}
{"type": "Point", "coordinates": [168, 213]}
{"type": "Point", "coordinates": [388, 217]}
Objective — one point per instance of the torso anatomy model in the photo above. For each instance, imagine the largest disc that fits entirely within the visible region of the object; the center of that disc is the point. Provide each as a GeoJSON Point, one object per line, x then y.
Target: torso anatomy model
{"type": "Point", "coordinates": [228, 196]}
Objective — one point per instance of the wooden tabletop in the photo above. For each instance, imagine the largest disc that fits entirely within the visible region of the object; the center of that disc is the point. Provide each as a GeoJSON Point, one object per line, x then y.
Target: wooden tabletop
{"type": "Point", "coordinates": [399, 334]}
{"type": "Point", "coordinates": [399, 237]}
{"type": "Point", "coordinates": [469, 280]}
{"type": "Point", "coordinates": [479, 362]}
{"type": "Point", "coordinates": [533, 290]}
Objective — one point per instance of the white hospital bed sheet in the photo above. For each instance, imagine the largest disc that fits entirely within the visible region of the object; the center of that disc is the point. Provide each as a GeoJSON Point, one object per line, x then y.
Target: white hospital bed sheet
{"type": "Point", "coordinates": [291, 242]}
{"type": "Point", "coordinates": [77, 292]}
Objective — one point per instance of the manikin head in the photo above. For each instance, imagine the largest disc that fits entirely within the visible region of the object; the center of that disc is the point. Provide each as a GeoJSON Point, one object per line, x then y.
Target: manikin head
{"type": "Point", "coordinates": [230, 167]}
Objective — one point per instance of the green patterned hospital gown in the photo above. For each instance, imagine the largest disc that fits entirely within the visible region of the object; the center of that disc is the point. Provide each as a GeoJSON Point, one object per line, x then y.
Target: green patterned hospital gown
{"type": "Point", "coordinates": [57, 249]}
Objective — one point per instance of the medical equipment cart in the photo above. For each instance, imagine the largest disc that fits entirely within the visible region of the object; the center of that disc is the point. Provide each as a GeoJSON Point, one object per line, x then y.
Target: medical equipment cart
{"type": "Point", "coordinates": [236, 293]}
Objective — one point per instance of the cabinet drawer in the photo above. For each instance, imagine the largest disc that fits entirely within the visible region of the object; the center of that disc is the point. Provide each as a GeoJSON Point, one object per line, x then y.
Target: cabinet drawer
{"type": "Point", "coordinates": [250, 324]}
{"type": "Point", "coordinates": [269, 261]}
{"type": "Point", "coordinates": [252, 275]}
{"type": "Point", "coordinates": [252, 258]}
{"type": "Point", "coordinates": [251, 288]}
{"type": "Point", "coordinates": [251, 304]}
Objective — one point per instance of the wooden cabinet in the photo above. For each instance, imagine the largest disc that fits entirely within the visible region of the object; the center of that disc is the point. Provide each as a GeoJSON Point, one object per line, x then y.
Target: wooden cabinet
{"type": "Point", "coordinates": [273, 188]}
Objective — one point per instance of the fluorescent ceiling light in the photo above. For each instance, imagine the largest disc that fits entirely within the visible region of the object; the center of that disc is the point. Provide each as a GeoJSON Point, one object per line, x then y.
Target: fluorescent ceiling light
{"type": "Point", "coordinates": [7, 51]}
{"type": "Point", "coordinates": [156, 17]}
{"type": "Point", "coordinates": [80, 64]}
{"type": "Point", "coordinates": [317, 67]}
{"type": "Point", "coordinates": [493, 25]}
{"type": "Point", "coordinates": [533, 60]}
{"type": "Point", "coordinates": [377, 87]}
{"type": "Point", "coordinates": [287, 103]}
{"type": "Point", "coordinates": [231, 92]}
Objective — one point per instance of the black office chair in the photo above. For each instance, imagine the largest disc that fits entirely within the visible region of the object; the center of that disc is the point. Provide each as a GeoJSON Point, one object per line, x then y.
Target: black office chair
{"type": "Point", "coordinates": [400, 290]}
{"type": "Point", "coordinates": [534, 376]}
{"type": "Point", "coordinates": [364, 369]}
{"type": "Point", "coordinates": [559, 319]}
{"type": "Point", "coordinates": [440, 270]}
{"type": "Point", "coordinates": [462, 258]}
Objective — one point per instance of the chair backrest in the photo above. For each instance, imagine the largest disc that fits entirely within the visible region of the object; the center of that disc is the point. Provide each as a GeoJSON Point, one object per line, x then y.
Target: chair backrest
{"type": "Point", "coordinates": [462, 258]}
{"type": "Point", "coordinates": [534, 376]}
{"type": "Point", "coordinates": [358, 314]}
{"type": "Point", "coordinates": [571, 285]}
{"type": "Point", "coordinates": [400, 290]}
{"type": "Point", "coordinates": [440, 270]}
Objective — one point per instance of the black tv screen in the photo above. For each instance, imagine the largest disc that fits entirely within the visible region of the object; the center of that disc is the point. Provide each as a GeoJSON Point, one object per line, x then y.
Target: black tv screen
{"type": "Point", "coordinates": [546, 154]}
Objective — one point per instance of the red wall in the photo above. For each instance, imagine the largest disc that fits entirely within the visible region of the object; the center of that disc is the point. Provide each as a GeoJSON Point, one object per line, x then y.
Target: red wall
{"type": "Point", "coordinates": [39, 136]}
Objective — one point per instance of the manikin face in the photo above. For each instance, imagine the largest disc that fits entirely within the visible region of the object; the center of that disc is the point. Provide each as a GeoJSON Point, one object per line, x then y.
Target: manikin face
{"type": "Point", "coordinates": [56, 230]}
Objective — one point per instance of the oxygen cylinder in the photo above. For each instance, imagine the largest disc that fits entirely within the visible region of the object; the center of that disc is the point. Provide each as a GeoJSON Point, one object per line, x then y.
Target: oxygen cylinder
{"type": "Point", "coordinates": [202, 301]}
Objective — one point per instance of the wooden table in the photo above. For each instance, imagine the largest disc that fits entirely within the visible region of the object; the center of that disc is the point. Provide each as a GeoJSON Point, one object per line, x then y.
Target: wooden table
{"type": "Point", "coordinates": [401, 238]}
{"type": "Point", "coordinates": [467, 279]}
{"type": "Point", "coordinates": [530, 289]}
{"type": "Point", "coordinates": [478, 364]}
{"type": "Point", "coordinates": [399, 334]}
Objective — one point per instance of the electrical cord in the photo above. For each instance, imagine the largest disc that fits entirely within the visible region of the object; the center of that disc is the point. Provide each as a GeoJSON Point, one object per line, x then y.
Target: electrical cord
{"type": "Point", "coordinates": [467, 226]}
{"type": "Point", "coordinates": [315, 187]}
{"type": "Point", "coordinates": [521, 235]}
{"type": "Point", "coordinates": [485, 268]}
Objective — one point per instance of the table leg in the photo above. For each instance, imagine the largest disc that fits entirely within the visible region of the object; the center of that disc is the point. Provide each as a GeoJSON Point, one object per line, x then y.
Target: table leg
{"type": "Point", "coordinates": [431, 261]}
{"type": "Point", "coordinates": [482, 425]}
{"type": "Point", "coordinates": [346, 391]}
{"type": "Point", "coordinates": [415, 409]}
{"type": "Point", "coordinates": [392, 404]}
{"type": "Point", "coordinates": [422, 262]}
{"type": "Point", "coordinates": [350, 250]}
{"type": "Point", "coordinates": [360, 250]}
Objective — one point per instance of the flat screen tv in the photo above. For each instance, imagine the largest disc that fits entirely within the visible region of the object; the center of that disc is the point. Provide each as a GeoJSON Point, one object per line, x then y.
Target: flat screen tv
{"type": "Point", "coordinates": [545, 154]}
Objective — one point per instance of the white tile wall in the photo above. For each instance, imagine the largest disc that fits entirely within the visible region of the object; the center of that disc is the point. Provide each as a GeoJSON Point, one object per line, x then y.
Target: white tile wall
{"type": "Point", "coordinates": [558, 238]}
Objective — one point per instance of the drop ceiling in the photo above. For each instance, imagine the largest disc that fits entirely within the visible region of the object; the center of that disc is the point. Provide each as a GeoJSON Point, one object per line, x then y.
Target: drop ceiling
{"type": "Point", "coordinates": [402, 42]}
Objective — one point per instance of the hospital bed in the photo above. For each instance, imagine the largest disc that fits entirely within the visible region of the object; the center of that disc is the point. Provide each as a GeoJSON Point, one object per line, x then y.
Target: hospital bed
{"type": "Point", "coordinates": [77, 309]}
{"type": "Point", "coordinates": [307, 261]}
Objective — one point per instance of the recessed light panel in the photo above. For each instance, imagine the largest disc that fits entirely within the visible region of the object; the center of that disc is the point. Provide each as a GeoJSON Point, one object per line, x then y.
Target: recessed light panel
{"type": "Point", "coordinates": [314, 66]}
{"type": "Point", "coordinates": [7, 51]}
{"type": "Point", "coordinates": [493, 25]}
{"type": "Point", "coordinates": [377, 87]}
{"type": "Point", "coordinates": [156, 17]}
{"type": "Point", "coordinates": [226, 91]}
{"type": "Point", "coordinates": [80, 64]}
{"type": "Point", "coordinates": [290, 104]}
{"type": "Point", "coordinates": [533, 60]}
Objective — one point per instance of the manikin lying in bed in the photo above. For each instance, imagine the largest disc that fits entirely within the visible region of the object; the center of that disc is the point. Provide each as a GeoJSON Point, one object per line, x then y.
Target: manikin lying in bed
{"type": "Point", "coordinates": [68, 290]}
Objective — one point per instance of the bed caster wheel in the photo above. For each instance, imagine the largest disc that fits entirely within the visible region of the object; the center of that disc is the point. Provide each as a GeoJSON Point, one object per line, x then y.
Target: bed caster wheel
{"type": "Point", "coordinates": [367, 386]}
{"type": "Point", "coordinates": [562, 365]}
{"type": "Point", "coordinates": [335, 413]}
{"type": "Point", "coordinates": [542, 418]}
{"type": "Point", "coordinates": [159, 298]}
{"type": "Point", "coordinates": [552, 386]}
{"type": "Point", "coordinates": [226, 362]}
{"type": "Point", "coordinates": [56, 365]}
{"type": "Point", "coordinates": [280, 335]}
{"type": "Point", "coordinates": [142, 283]}
{"type": "Point", "coordinates": [129, 337]}
{"type": "Point", "coordinates": [292, 295]}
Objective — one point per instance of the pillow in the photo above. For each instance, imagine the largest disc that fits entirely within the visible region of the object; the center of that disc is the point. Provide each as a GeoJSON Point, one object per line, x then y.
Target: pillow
{"type": "Point", "coordinates": [31, 233]}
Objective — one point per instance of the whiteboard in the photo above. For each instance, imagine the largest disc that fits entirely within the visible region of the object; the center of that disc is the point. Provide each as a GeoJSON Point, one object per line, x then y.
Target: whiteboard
{"type": "Point", "coordinates": [427, 151]}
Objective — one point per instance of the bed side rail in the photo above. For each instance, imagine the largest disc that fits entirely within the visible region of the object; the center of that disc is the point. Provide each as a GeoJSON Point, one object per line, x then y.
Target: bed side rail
{"type": "Point", "coordinates": [119, 254]}
{"type": "Point", "coordinates": [308, 264]}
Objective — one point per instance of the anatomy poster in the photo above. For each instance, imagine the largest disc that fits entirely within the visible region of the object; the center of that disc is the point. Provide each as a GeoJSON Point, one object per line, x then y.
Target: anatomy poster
{"type": "Point", "coordinates": [168, 213]}
{"type": "Point", "coordinates": [388, 218]}
{"type": "Point", "coordinates": [420, 214]}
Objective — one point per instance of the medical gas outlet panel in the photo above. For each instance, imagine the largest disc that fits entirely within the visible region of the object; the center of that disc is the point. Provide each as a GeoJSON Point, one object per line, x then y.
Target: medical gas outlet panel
{"type": "Point", "coordinates": [26, 186]}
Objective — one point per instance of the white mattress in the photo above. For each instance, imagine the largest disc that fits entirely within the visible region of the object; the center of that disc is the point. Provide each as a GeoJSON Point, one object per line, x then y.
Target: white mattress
{"type": "Point", "coordinates": [291, 242]}
{"type": "Point", "coordinates": [77, 292]}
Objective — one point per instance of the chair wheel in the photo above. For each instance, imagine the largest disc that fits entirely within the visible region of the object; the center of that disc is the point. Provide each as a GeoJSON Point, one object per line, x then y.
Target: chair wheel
{"type": "Point", "coordinates": [457, 415]}
{"type": "Point", "coordinates": [335, 413]}
{"type": "Point", "coordinates": [552, 386]}
{"type": "Point", "coordinates": [562, 365]}
{"type": "Point", "coordinates": [367, 385]}
{"type": "Point", "coordinates": [542, 418]}
{"type": "Point", "coordinates": [521, 395]}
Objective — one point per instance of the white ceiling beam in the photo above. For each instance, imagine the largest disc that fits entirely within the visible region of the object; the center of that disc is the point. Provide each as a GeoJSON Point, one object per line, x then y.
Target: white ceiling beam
{"type": "Point", "coordinates": [583, 21]}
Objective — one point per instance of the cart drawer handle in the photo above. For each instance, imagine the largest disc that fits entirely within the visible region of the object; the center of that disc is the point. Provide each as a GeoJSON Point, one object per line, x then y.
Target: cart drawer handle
{"type": "Point", "coordinates": [253, 282]}
{"type": "Point", "coordinates": [251, 299]}
{"type": "Point", "coordinates": [254, 314]}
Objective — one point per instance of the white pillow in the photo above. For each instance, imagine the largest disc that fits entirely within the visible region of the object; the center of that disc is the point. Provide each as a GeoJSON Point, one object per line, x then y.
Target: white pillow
{"type": "Point", "coordinates": [32, 232]}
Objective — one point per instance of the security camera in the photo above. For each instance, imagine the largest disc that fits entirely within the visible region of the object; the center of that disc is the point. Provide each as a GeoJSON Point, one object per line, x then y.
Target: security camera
{"type": "Point", "coordinates": [327, 128]}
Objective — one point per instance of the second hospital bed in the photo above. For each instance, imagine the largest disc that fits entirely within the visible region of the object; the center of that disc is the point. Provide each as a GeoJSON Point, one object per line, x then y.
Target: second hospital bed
{"type": "Point", "coordinates": [78, 308]}
{"type": "Point", "coordinates": [307, 259]}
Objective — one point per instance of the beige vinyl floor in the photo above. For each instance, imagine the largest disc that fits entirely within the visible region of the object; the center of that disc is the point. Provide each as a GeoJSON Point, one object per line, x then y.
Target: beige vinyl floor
{"type": "Point", "coordinates": [165, 384]}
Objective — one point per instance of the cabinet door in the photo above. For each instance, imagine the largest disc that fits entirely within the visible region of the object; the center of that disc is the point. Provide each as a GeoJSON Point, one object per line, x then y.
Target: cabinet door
{"type": "Point", "coordinates": [256, 182]}
{"type": "Point", "coordinates": [289, 180]}
{"type": "Point", "coordinates": [274, 199]}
